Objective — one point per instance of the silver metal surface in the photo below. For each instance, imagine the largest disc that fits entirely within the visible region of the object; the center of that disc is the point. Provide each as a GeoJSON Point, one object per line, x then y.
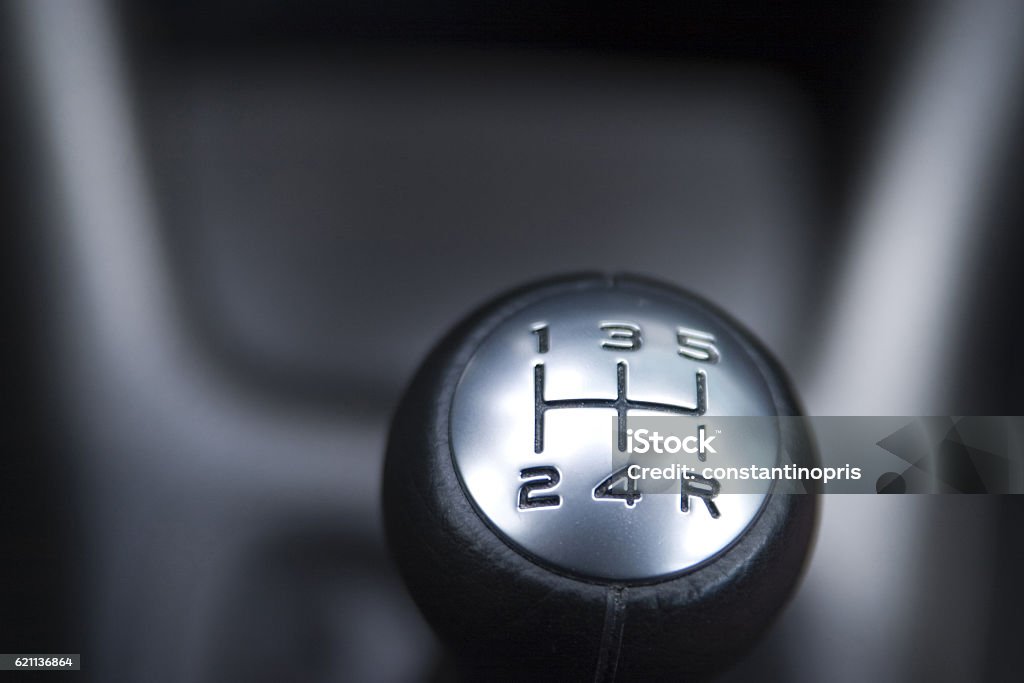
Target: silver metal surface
{"type": "Point", "coordinates": [570, 353]}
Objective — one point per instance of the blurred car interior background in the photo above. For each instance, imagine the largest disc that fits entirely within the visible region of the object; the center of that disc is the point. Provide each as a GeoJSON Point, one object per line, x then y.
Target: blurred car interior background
{"type": "Point", "coordinates": [236, 228]}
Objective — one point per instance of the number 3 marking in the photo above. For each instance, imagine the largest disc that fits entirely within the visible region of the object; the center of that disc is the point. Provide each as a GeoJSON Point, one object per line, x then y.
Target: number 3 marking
{"type": "Point", "coordinates": [622, 336]}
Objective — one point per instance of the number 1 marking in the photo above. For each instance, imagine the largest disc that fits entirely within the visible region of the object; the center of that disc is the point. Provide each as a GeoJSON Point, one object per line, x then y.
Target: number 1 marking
{"type": "Point", "coordinates": [543, 337]}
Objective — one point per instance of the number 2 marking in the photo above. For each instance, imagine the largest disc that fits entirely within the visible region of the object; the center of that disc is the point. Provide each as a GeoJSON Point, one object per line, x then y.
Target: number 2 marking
{"type": "Point", "coordinates": [539, 479]}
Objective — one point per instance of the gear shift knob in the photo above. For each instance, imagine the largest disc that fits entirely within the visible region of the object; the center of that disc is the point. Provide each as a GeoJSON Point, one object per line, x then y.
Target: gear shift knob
{"type": "Point", "coordinates": [528, 556]}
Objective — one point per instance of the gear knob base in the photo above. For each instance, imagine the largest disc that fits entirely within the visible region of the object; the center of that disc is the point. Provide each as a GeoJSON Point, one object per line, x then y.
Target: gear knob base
{"type": "Point", "coordinates": [493, 509]}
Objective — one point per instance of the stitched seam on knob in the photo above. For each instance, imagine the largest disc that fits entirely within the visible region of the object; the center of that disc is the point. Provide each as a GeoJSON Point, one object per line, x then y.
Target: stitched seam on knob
{"type": "Point", "coordinates": [611, 635]}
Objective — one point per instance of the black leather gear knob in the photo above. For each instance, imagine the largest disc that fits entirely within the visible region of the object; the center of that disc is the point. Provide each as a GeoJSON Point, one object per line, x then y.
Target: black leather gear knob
{"type": "Point", "coordinates": [531, 559]}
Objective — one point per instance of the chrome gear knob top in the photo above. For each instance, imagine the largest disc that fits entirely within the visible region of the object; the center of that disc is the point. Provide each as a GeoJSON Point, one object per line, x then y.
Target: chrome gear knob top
{"type": "Point", "coordinates": [527, 549]}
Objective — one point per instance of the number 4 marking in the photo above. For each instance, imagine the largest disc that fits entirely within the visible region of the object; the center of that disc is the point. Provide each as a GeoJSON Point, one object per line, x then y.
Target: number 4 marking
{"type": "Point", "coordinates": [627, 493]}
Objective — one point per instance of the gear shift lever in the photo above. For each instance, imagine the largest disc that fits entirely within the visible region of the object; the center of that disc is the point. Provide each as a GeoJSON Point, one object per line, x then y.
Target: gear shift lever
{"type": "Point", "coordinates": [519, 545]}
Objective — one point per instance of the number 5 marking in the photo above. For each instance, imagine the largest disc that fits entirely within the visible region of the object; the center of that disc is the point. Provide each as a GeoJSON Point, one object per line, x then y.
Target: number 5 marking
{"type": "Point", "coordinates": [697, 345]}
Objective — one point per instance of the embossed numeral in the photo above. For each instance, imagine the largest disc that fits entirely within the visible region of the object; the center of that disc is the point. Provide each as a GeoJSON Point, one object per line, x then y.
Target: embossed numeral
{"type": "Point", "coordinates": [697, 345]}
{"type": "Point", "coordinates": [618, 486]}
{"type": "Point", "coordinates": [622, 336]}
{"type": "Point", "coordinates": [539, 479]}
{"type": "Point", "coordinates": [543, 337]}
{"type": "Point", "coordinates": [625, 336]}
